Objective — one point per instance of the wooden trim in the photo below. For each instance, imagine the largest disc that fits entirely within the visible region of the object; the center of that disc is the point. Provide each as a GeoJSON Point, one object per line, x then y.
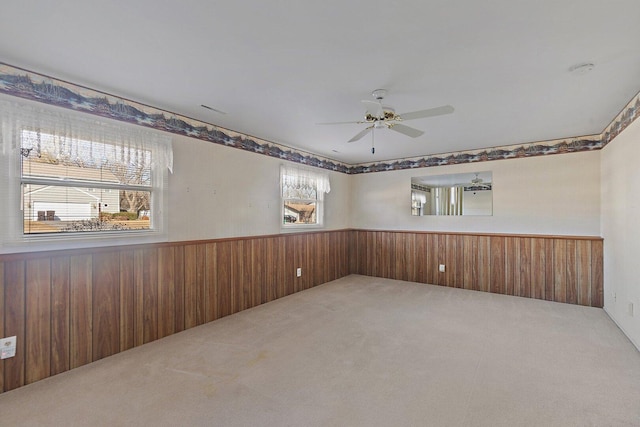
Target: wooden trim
{"type": "Point", "coordinates": [134, 246]}
{"type": "Point", "coordinates": [71, 307]}
{"type": "Point", "coordinates": [14, 322]}
{"type": "Point", "coordinates": [80, 310]}
{"type": "Point", "coordinates": [38, 320]}
{"type": "Point", "coordinates": [562, 269]}
{"type": "Point", "coordinates": [70, 252]}
{"type": "Point", "coordinates": [456, 233]}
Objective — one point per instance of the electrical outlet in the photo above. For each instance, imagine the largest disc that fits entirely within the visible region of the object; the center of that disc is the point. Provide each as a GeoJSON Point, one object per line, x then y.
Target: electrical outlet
{"type": "Point", "coordinates": [298, 272]}
{"type": "Point", "coordinates": [441, 268]}
{"type": "Point", "coordinates": [8, 347]}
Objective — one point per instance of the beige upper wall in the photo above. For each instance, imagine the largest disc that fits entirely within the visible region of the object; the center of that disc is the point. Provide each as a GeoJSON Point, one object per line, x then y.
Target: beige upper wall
{"type": "Point", "coordinates": [557, 194]}
{"type": "Point", "coordinates": [217, 191]}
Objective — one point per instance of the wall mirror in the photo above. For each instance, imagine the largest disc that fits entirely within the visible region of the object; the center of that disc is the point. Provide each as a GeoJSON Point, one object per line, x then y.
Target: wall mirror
{"type": "Point", "coordinates": [452, 194]}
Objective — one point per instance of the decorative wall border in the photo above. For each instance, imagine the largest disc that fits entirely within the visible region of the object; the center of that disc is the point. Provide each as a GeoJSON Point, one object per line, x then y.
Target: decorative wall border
{"type": "Point", "coordinates": [558, 146]}
{"type": "Point", "coordinates": [37, 87]}
{"type": "Point", "coordinates": [48, 90]}
{"type": "Point", "coordinates": [629, 113]}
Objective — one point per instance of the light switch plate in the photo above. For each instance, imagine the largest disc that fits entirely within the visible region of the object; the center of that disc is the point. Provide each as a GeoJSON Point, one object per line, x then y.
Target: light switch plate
{"type": "Point", "coordinates": [7, 347]}
{"type": "Point", "coordinates": [441, 268]}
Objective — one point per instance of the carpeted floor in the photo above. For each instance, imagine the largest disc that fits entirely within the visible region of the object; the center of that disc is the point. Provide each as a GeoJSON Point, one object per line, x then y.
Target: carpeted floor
{"type": "Point", "coordinates": [360, 351]}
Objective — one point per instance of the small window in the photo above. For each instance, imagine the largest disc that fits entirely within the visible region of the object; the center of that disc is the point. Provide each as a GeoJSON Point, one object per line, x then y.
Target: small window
{"type": "Point", "coordinates": [302, 196]}
{"type": "Point", "coordinates": [418, 202]}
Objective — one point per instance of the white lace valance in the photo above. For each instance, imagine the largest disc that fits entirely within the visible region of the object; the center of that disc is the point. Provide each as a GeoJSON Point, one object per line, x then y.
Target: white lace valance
{"type": "Point", "coordinates": [63, 135]}
{"type": "Point", "coordinates": [303, 183]}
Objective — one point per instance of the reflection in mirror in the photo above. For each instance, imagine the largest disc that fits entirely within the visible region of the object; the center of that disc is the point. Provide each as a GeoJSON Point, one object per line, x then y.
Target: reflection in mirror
{"type": "Point", "coordinates": [452, 194]}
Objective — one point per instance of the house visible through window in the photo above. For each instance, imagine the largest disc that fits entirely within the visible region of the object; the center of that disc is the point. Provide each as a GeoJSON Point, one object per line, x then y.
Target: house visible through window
{"type": "Point", "coordinates": [302, 196]}
{"type": "Point", "coordinates": [71, 185]}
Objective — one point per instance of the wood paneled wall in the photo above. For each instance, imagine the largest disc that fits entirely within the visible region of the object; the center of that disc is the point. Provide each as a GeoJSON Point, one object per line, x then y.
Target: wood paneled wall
{"type": "Point", "coordinates": [555, 268]}
{"type": "Point", "coordinates": [69, 308]}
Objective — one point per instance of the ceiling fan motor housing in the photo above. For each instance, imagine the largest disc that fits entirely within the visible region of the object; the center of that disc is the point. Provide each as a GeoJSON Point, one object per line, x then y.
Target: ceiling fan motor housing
{"type": "Point", "coordinates": [379, 94]}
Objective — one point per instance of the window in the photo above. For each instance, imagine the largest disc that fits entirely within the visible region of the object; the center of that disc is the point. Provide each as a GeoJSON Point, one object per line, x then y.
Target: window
{"type": "Point", "coordinates": [418, 202]}
{"type": "Point", "coordinates": [302, 196]}
{"type": "Point", "coordinates": [69, 175]}
{"type": "Point", "coordinates": [55, 172]}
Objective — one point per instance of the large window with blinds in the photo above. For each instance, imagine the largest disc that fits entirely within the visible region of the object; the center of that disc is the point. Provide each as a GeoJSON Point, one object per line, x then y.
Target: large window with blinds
{"type": "Point", "coordinates": [74, 180]}
{"type": "Point", "coordinates": [73, 185]}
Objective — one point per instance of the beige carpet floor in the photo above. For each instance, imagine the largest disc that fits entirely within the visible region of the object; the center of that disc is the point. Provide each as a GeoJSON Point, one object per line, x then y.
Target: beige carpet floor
{"type": "Point", "coordinates": [360, 351]}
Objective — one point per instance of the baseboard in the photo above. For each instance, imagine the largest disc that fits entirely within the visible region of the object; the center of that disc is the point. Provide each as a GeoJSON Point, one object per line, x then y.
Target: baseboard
{"type": "Point", "coordinates": [636, 344]}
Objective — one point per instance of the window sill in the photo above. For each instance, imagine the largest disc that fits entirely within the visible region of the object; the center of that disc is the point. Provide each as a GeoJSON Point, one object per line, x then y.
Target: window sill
{"type": "Point", "coordinates": [300, 227]}
{"type": "Point", "coordinates": [68, 241]}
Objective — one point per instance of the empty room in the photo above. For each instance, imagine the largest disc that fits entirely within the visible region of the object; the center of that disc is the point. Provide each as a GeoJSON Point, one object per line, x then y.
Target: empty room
{"type": "Point", "coordinates": [320, 214]}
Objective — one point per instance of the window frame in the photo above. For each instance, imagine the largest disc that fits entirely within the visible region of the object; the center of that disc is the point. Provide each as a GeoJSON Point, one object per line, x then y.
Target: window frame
{"type": "Point", "coordinates": [319, 200]}
{"type": "Point", "coordinates": [91, 185]}
{"type": "Point", "coordinates": [13, 235]}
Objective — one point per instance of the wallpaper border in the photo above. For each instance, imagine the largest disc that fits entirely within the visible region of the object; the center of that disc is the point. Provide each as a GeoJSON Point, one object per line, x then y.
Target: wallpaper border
{"type": "Point", "coordinates": [30, 85]}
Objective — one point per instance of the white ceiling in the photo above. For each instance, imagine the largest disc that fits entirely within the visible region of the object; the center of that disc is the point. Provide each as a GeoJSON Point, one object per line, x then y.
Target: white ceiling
{"type": "Point", "coordinates": [279, 67]}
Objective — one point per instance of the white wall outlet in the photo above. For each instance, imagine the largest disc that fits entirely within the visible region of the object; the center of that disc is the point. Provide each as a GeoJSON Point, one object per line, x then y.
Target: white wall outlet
{"type": "Point", "coordinates": [441, 268]}
{"type": "Point", "coordinates": [298, 272]}
{"type": "Point", "coordinates": [7, 347]}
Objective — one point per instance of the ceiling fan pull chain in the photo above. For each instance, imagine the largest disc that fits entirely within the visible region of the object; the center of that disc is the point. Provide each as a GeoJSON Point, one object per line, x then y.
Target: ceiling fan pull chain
{"type": "Point", "coordinates": [373, 148]}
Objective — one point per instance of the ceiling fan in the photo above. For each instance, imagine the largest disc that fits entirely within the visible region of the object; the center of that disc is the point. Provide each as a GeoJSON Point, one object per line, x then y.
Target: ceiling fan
{"type": "Point", "coordinates": [479, 183]}
{"type": "Point", "coordinates": [381, 116]}
{"type": "Point", "coordinates": [477, 180]}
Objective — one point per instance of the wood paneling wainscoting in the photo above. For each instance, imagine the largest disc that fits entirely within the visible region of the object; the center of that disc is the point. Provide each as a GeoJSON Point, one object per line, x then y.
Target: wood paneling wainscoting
{"type": "Point", "coordinates": [565, 269]}
{"type": "Point", "coordinates": [69, 308]}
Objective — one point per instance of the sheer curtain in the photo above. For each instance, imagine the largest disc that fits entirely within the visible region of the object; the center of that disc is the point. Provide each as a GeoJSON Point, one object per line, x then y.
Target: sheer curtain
{"type": "Point", "coordinates": [303, 181]}
{"type": "Point", "coordinates": [303, 196]}
{"type": "Point", "coordinates": [447, 200]}
{"type": "Point", "coordinates": [67, 127]}
{"type": "Point", "coordinates": [29, 130]}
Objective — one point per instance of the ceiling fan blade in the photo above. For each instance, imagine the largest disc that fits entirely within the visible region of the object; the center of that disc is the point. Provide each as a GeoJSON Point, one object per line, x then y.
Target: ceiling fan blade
{"type": "Point", "coordinates": [215, 110]}
{"type": "Point", "coordinates": [374, 108]}
{"type": "Point", "coordinates": [361, 134]}
{"type": "Point", "coordinates": [341, 123]}
{"type": "Point", "coordinates": [438, 111]}
{"type": "Point", "coordinates": [406, 130]}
